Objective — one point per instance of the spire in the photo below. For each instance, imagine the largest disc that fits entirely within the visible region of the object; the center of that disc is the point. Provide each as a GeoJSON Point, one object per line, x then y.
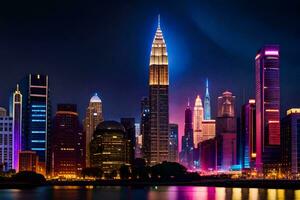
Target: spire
{"type": "Point", "coordinates": [206, 91]}
{"type": "Point", "coordinates": [158, 21]}
{"type": "Point", "coordinates": [207, 113]}
{"type": "Point", "coordinates": [17, 87]}
{"type": "Point", "coordinates": [188, 105]}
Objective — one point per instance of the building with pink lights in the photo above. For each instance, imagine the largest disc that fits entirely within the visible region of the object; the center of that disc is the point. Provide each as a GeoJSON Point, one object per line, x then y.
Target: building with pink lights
{"type": "Point", "coordinates": [267, 107]}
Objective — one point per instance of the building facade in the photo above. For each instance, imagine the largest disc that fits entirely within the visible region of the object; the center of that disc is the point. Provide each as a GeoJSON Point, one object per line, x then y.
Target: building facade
{"type": "Point", "coordinates": [36, 115]}
{"type": "Point", "coordinates": [226, 132]}
{"type": "Point", "coordinates": [16, 114]}
{"type": "Point", "coordinates": [248, 135]}
{"type": "Point", "coordinates": [173, 143]}
{"type": "Point", "coordinates": [129, 125]}
{"type": "Point", "coordinates": [6, 140]}
{"type": "Point", "coordinates": [156, 151]}
{"type": "Point", "coordinates": [68, 144]}
{"type": "Point", "coordinates": [93, 116]}
{"type": "Point", "coordinates": [209, 129]}
{"type": "Point", "coordinates": [109, 148]}
{"type": "Point", "coordinates": [207, 111]}
{"type": "Point", "coordinates": [267, 100]}
{"type": "Point", "coordinates": [145, 126]}
{"type": "Point", "coordinates": [290, 148]}
{"type": "Point", "coordinates": [197, 121]}
{"type": "Point", "coordinates": [28, 161]}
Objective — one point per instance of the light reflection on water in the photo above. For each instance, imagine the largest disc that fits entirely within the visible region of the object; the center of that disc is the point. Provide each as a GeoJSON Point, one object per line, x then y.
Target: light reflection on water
{"type": "Point", "coordinates": [151, 193]}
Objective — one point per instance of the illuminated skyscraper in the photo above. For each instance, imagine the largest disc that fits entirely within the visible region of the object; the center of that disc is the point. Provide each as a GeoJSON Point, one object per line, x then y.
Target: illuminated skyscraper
{"type": "Point", "coordinates": [157, 149]}
{"type": "Point", "coordinates": [145, 126]}
{"type": "Point", "coordinates": [67, 142]}
{"type": "Point", "coordinates": [36, 115]}
{"type": "Point", "coordinates": [267, 107]}
{"type": "Point", "coordinates": [197, 121]}
{"type": "Point", "coordinates": [186, 154]}
{"type": "Point", "coordinates": [129, 125]}
{"type": "Point", "coordinates": [248, 135]}
{"type": "Point", "coordinates": [173, 143]}
{"type": "Point", "coordinates": [290, 143]}
{"type": "Point", "coordinates": [226, 131]}
{"type": "Point", "coordinates": [16, 114]}
{"type": "Point", "coordinates": [207, 112]}
{"type": "Point", "coordinates": [6, 140]}
{"type": "Point", "coordinates": [93, 117]}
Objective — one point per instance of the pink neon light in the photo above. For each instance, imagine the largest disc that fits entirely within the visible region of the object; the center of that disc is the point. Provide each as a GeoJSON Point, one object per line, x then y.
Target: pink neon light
{"type": "Point", "coordinates": [271, 53]}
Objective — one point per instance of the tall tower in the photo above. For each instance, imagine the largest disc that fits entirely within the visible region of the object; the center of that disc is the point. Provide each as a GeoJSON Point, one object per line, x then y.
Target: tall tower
{"type": "Point", "coordinates": [92, 118]}
{"type": "Point", "coordinates": [17, 126]}
{"type": "Point", "coordinates": [207, 112]}
{"type": "Point", "coordinates": [198, 118]}
{"type": "Point", "coordinates": [159, 100]}
{"type": "Point", "coordinates": [36, 116]}
{"type": "Point", "coordinates": [145, 126]}
{"type": "Point", "coordinates": [186, 154]}
{"type": "Point", "coordinates": [267, 106]}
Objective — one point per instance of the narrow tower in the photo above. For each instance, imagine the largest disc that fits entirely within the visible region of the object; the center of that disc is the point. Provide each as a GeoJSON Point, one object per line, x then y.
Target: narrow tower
{"type": "Point", "coordinates": [157, 148]}
{"type": "Point", "coordinates": [17, 126]}
{"type": "Point", "coordinates": [198, 118]}
{"type": "Point", "coordinates": [207, 115]}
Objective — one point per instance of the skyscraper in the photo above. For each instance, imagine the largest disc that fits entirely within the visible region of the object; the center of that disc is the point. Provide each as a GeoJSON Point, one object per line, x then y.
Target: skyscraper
{"type": "Point", "coordinates": [290, 126]}
{"type": "Point", "coordinates": [93, 117]}
{"type": "Point", "coordinates": [207, 112]}
{"type": "Point", "coordinates": [36, 115]}
{"type": "Point", "coordinates": [197, 121]}
{"type": "Point", "coordinates": [267, 107]}
{"type": "Point", "coordinates": [248, 135]}
{"type": "Point", "coordinates": [16, 114]}
{"type": "Point", "coordinates": [145, 127]}
{"type": "Point", "coordinates": [68, 142]}
{"type": "Point", "coordinates": [129, 125]}
{"type": "Point", "coordinates": [6, 140]}
{"type": "Point", "coordinates": [226, 131]}
{"type": "Point", "coordinates": [173, 143]}
{"type": "Point", "coordinates": [159, 101]}
{"type": "Point", "coordinates": [186, 154]}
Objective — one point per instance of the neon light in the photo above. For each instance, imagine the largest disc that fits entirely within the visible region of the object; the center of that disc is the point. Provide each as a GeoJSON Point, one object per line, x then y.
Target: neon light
{"type": "Point", "coordinates": [38, 141]}
{"type": "Point", "coordinates": [34, 110]}
{"type": "Point", "coordinates": [38, 131]}
{"type": "Point", "coordinates": [38, 115]}
{"type": "Point", "coordinates": [272, 110]}
{"type": "Point", "coordinates": [271, 53]}
{"type": "Point", "coordinates": [257, 56]}
{"type": "Point", "coordinates": [38, 106]}
{"type": "Point", "coordinates": [38, 120]}
{"type": "Point", "coordinates": [38, 149]}
{"type": "Point", "coordinates": [293, 110]}
{"type": "Point", "coordinates": [273, 122]}
{"type": "Point", "coordinates": [251, 101]}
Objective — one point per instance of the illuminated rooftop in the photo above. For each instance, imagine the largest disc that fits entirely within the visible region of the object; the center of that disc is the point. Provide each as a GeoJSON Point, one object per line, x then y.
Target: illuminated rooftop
{"type": "Point", "coordinates": [198, 101]}
{"type": "Point", "coordinates": [293, 111]}
{"type": "Point", "coordinates": [95, 99]}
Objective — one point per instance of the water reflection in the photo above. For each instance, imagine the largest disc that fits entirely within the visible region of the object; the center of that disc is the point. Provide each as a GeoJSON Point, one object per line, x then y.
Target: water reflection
{"type": "Point", "coordinates": [151, 193]}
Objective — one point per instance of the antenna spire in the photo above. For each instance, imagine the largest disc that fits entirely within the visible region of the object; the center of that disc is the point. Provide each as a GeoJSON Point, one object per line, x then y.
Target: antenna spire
{"type": "Point", "coordinates": [158, 21]}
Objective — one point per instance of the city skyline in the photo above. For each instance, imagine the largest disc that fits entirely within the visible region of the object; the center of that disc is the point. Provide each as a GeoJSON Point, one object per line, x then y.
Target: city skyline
{"type": "Point", "coordinates": [195, 45]}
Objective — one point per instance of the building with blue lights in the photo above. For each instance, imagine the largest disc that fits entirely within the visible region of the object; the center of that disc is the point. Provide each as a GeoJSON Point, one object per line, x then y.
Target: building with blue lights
{"type": "Point", "coordinates": [207, 112]}
{"type": "Point", "coordinates": [173, 143]}
{"type": "Point", "coordinates": [36, 115]}
{"type": "Point", "coordinates": [6, 141]}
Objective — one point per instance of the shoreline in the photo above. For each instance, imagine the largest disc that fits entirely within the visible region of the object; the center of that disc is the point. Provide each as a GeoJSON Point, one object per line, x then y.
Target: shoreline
{"type": "Point", "coordinates": [228, 183]}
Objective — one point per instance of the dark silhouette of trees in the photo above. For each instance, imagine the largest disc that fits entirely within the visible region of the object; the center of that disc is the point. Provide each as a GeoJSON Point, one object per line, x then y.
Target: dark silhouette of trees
{"type": "Point", "coordinates": [140, 170]}
{"type": "Point", "coordinates": [92, 172]}
{"type": "Point", "coordinates": [168, 170]}
{"type": "Point", "coordinates": [29, 177]}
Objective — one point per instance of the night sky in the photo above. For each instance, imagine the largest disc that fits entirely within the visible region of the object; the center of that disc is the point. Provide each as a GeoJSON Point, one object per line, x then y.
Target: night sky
{"type": "Point", "coordinates": [88, 47]}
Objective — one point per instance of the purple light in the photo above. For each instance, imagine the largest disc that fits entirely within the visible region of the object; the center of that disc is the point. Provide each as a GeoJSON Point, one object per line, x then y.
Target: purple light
{"type": "Point", "coordinates": [271, 53]}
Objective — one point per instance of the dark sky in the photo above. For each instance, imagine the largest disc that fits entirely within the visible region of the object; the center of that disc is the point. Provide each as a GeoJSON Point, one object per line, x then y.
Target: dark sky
{"type": "Point", "coordinates": [104, 47]}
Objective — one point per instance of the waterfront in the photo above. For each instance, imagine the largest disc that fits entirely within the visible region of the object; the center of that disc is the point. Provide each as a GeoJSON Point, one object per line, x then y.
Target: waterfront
{"type": "Point", "coordinates": [151, 193]}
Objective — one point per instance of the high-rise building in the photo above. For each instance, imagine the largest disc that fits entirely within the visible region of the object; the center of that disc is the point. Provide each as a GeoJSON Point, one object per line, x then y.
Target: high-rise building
{"type": "Point", "coordinates": [138, 141]}
{"type": "Point", "coordinates": [197, 121]}
{"type": "Point", "coordinates": [28, 161]}
{"type": "Point", "coordinates": [129, 125]}
{"type": "Point", "coordinates": [290, 136]}
{"type": "Point", "coordinates": [109, 147]}
{"type": "Point", "coordinates": [145, 126]}
{"type": "Point", "coordinates": [36, 115]}
{"type": "Point", "coordinates": [16, 114]}
{"type": "Point", "coordinates": [6, 140]}
{"type": "Point", "coordinates": [248, 135]}
{"type": "Point", "coordinates": [226, 131]}
{"type": "Point", "coordinates": [186, 154]}
{"type": "Point", "coordinates": [93, 117]}
{"type": "Point", "coordinates": [267, 107]}
{"type": "Point", "coordinates": [208, 129]}
{"type": "Point", "coordinates": [208, 154]}
{"type": "Point", "coordinates": [207, 112]}
{"type": "Point", "coordinates": [68, 143]}
{"type": "Point", "coordinates": [173, 143]}
{"type": "Point", "coordinates": [157, 151]}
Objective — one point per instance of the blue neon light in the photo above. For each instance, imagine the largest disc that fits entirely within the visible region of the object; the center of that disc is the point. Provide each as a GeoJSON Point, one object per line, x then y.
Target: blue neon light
{"type": "Point", "coordinates": [38, 131]}
{"type": "Point", "coordinates": [38, 120]}
{"type": "Point", "coordinates": [38, 115]}
{"type": "Point", "coordinates": [38, 141]}
{"type": "Point", "coordinates": [38, 149]}
{"type": "Point", "coordinates": [38, 106]}
{"type": "Point", "coordinates": [35, 110]}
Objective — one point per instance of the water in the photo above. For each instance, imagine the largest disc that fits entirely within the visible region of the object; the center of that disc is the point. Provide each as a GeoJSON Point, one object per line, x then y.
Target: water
{"type": "Point", "coordinates": [151, 193]}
